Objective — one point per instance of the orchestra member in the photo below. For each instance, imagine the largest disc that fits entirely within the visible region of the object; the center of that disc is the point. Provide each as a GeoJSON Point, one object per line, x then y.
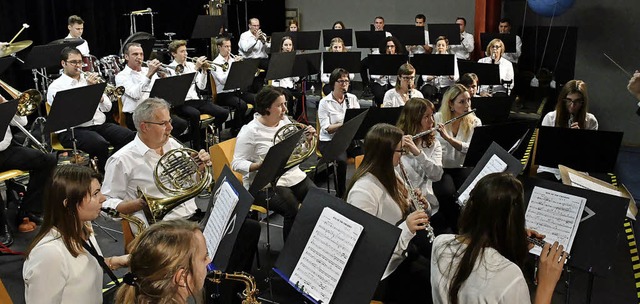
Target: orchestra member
{"type": "Point", "coordinates": [426, 48]}
{"type": "Point", "coordinates": [75, 25]}
{"type": "Point", "coordinates": [252, 145]}
{"type": "Point", "coordinates": [378, 26]}
{"type": "Point", "coordinates": [504, 27]}
{"type": "Point", "coordinates": [338, 25]}
{"type": "Point", "coordinates": [336, 46]}
{"type": "Point", "coordinates": [434, 85]}
{"type": "Point", "coordinates": [495, 49]}
{"type": "Point", "coordinates": [382, 83]}
{"type": "Point", "coordinates": [483, 263]}
{"type": "Point", "coordinates": [470, 81]}
{"type": "Point", "coordinates": [96, 135]}
{"type": "Point", "coordinates": [61, 264]}
{"type": "Point", "coordinates": [331, 111]}
{"type": "Point", "coordinates": [465, 48]}
{"type": "Point", "coordinates": [254, 44]}
{"type": "Point", "coordinates": [376, 189]}
{"type": "Point", "coordinates": [194, 105]}
{"type": "Point", "coordinates": [293, 26]}
{"type": "Point", "coordinates": [288, 84]}
{"type": "Point", "coordinates": [403, 90]}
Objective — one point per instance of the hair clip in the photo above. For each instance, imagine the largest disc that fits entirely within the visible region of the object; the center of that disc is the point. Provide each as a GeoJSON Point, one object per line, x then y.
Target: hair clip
{"type": "Point", "coordinates": [130, 279]}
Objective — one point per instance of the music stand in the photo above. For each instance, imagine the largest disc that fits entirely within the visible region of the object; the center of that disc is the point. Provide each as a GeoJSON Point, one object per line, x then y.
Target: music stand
{"type": "Point", "coordinates": [5, 63]}
{"type": "Point", "coordinates": [369, 39]}
{"type": "Point", "coordinates": [506, 135]}
{"type": "Point", "coordinates": [488, 74]}
{"type": "Point", "coordinates": [345, 34]}
{"type": "Point", "coordinates": [449, 30]}
{"type": "Point", "coordinates": [583, 150]}
{"type": "Point", "coordinates": [7, 111]}
{"type": "Point", "coordinates": [173, 89]}
{"type": "Point", "coordinates": [207, 26]}
{"type": "Point", "coordinates": [433, 64]}
{"type": "Point", "coordinates": [307, 40]}
{"type": "Point", "coordinates": [374, 116]}
{"type": "Point", "coordinates": [349, 61]}
{"type": "Point", "coordinates": [383, 64]}
{"type": "Point", "coordinates": [494, 109]}
{"type": "Point", "coordinates": [509, 41]}
{"type": "Point", "coordinates": [408, 34]}
{"type": "Point", "coordinates": [280, 65]}
{"type": "Point", "coordinates": [306, 64]}
{"type": "Point", "coordinates": [368, 259]}
{"type": "Point", "coordinates": [45, 56]}
{"type": "Point", "coordinates": [241, 74]}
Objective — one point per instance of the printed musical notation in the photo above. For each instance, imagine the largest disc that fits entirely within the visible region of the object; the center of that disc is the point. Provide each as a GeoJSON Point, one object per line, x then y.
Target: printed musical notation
{"type": "Point", "coordinates": [226, 199]}
{"type": "Point", "coordinates": [554, 214]}
{"type": "Point", "coordinates": [494, 165]}
{"type": "Point", "coordinates": [326, 254]}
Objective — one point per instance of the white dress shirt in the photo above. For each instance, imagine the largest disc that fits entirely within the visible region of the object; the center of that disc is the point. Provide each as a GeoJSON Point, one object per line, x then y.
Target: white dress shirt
{"type": "Point", "coordinates": [253, 143]}
{"type": "Point", "coordinates": [465, 47]}
{"type": "Point", "coordinates": [513, 57]}
{"type": "Point", "coordinates": [251, 47]}
{"type": "Point", "coordinates": [83, 48]}
{"type": "Point", "coordinates": [133, 166]}
{"type": "Point", "coordinates": [506, 73]}
{"type": "Point", "coordinates": [64, 82]}
{"type": "Point", "coordinates": [423, 170]}
{"type": "Point", "coordinates": [330, 111]}
{"type": "Point", "coordinates": [220, 76]}
{"type": "Point", "coordinates": [393, 99]}
{"type": "Point", "coordinates": [136, 87]}
{"type": "Point", "coordinates": [369, 195]}
{"type": "Point", "coordinates": [199, 80]}
{"type": "Point", "coordinates": [52, 275]}
{"type": "Point", "coordinates": [22, 120]}
{"type": "Point", "coordinates": [452, 158]}
{"type": "Point", "coordinates": [383, 80]}
{"type": "Point", "coordinates": [494, 278]}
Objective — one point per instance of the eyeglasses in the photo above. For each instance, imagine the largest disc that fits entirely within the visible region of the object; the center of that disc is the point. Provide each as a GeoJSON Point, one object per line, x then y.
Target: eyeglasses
{"type": "Point", "coordinates": [162, 123]}
{"type": "Point", "coordinates": [343, 81]}
{"type": "Point", "coordinates": [409, 77]}
{"type": "Point", "coordinates": [75, 62]}
{"type": "Point", "coordinates": [577, 102]}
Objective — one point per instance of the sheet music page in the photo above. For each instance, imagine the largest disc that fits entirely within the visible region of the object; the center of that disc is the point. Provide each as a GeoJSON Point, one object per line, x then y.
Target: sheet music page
{"type": "Point", "coordinates": [226, 199]}
{"type": "Point", "coordinates": [495, 164]}
{"type": "Point", "coordinates": [554, 214]}
{"type": "Point", "coordinates": [326, 254]}
{"type": "Point", "coordinates": [581, 182]}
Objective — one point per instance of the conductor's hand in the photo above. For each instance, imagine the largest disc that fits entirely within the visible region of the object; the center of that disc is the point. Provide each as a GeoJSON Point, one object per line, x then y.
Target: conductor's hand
{"type": "Point", "coordinates": [552, 259]}
{"type": "Point", "coordinates": [417, 220]}
{"type": "Point", "coordinates": [153, 66]}
{"type": "Point", "coordinates": [535, 234]}
{"type": "Point", "coordinates": [634, 85]}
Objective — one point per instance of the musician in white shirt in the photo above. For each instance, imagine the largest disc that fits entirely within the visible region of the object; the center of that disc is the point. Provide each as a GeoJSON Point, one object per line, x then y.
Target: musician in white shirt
{"type": "Point", "coordinates": [427, 48]}
{"type": "Point", "coordinates": [465, 48]}
{"type": "Point", "coordinates": [75, 25]}
{"type": "Point", "coordinates": [495, 51]}
{"type": "Point", "coordinates": [403, 90]}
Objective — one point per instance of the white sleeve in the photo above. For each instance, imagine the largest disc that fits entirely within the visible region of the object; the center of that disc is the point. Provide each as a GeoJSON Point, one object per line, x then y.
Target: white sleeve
{"type": "Point", "coordinates": [45, 274]}
{"type": "Point", "coordinates": [201, 80]}
{"type": "Point", "coordinates": [244, 151]}
{"type": "Point", "coordinates": [114, 185]}
{"type": "Point", "coordinates": [323, 115]}
{"type": "Point", "coordinates": [387, 100]}
{"type": "Point", "coordinates": [105, 105]}
{"type": "Point", "coordinates": [131, 88]}
{"type": "Point", "coordinates": [518, 47]}
{"type": "Point", "coordinates": [516, 291]}
{"type": "Point", "coordinates": [324, 77]}
{"type": "Point", "coordinates": [431, 167]}
{"type": "Point", "coordinates": [468, 43]}
{"type": "Point", "coordinates": [247, 43]}
{"type": "Point", "coordinates": [548, 120]}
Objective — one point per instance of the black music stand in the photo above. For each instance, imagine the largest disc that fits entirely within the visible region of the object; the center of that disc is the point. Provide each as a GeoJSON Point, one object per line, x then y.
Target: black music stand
{"type": "Point", "coordinates": [368, 259]}
{"type": "Point", "coordinates": [488, 74]}
{"type": "Point", "coordinates": [583, 150]}
{"type": "Point", "coordinates": [74, 107]}
{"type": "Point", "coordinates": [509, 41]}
{"type": "Point", "coordinates": [449, 30]}
{"type": "Point", "coordinates": [173, 89]}
{"type": "Point", "coordinates": [280, 65]}
{"type": "Point", "coordinates": [374, 116]}
{"type": "Point", "coordinates": [506, 135]}
{"type": "Point", "coordinates": [408, 34]}
{"type": "Point", "coordinates": [383, 64]}
{"type": "Point", "coordinates": [349, 61]}
{"type": "Point", "coordinates": [7, 111]}
{"type": "Point", "coordinates": [345, 34]}
{"type": "Point", "coordinates": [494, 109]}
{"type": "Point", "coordinates": [207, 26]}
{"type": "Point", "coordinates": [306, 64]}
{"type": "Point", "coordinates": [5, 63]}
{"type": "Point", "coordinates": [241, 74]}
{"type": "Point", "coordinates": [309, 40]}
{"type": "Point", "coordinates": [369, 39]}
{"type": "Point", "coordinates": [45, 56]}
{"type": "Point", "coordinates": [433, 64]}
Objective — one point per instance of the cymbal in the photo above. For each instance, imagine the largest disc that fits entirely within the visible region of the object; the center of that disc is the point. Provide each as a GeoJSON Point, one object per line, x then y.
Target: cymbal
{"type": "Point", "coordinates": [14, 47]}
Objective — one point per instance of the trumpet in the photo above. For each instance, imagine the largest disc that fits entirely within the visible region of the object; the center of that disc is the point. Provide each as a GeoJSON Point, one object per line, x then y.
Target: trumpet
{"type": "Point", "coordinates": [427, 132]}
{"type": "Point", "coordinates": [110, 90]}
{"type": "Point", "coordinates": [166, 69]}
{"type": "Point", "coordinates": [263, 37]}
{"type": "Point", "coordinates": [210, 65]}
{"type": "Point", "coordinates": [415, 201]}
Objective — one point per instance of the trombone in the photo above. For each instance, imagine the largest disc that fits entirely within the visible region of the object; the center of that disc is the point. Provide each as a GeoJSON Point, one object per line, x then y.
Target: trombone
{"type": "Point", "coordinates": [110, 90]}
{"type": "Point", "coordinates": [28, 102]}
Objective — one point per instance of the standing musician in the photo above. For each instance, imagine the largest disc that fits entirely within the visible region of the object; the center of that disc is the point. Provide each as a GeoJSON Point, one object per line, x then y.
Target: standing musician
{"type": "Point", "coordinates": [137, 83]}
{"type": "Point", "coordinates": [230, 98]}
{"type": "Point", "coordinates": [75, 24]}
{"type": "Point", "coordinates": [253, 143]}
{"type": "Point", "coordinates": [376, 189]}
{"type": "Point", "coordinates": [194, 105]}
{"type": "Point", "coordinates": [254, 44]}
{"type": "Point", "coordinates": [403, 90]}
{"type": "Point", "coordinates": [465, 48]}
{"type": "Point", "coordinates": [94, 136]}
{"type": "Point", "coordinates": [39, 165]}
{"type": "Point", "coordinates": [495, 50]}
{"type": "Point", "coordinates": [331, 111]}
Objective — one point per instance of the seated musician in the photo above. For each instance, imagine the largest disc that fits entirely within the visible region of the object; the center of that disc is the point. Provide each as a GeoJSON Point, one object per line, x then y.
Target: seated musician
{"type": "Point", "coordinates": [484, 262]}
{"type": "Point", "coordinates": [336, 46]}
{"type": "Point", "coordinates": [61, 264]}
{"type": "Point", "coordinates": [288, 84]}
{"type": "Point", "coordinates": [572, 111]}
{"type": "Point", "coordinates": [40, 165]}
{"type": "Point", "coordinates": [331, 111]}
{"type": "Point", "coordinates": [423, 158]}
{"type": "Point", "coordinates": [194, 105]}
{"type": "Point", "coordinates": [435, 86]}
{"type": "Point", "coordinates": [75, 25]}
{"type": "Point", "coordinates": [253, 143]}
{"type": "Point", "coordinates": [168, 261]}
{"type": "Point", "coordinates": [470, 81]}
{"type": "Point", "coordinates": [494, 52]}
{"type": "Point", "coordinates": [454, 138]}
{"type": "Point", "coordinates": [230, 98]}
{"type": "Point", "coordinates": [380, 84]}
{"type": "Point", "coordinates": [94, 136]}
{"type": "Point", "coordinates": [137, 82]}
{"type": "Point", "coordinates": [403, 90]}
{"type": "Point", "coordinates": [376, 189]}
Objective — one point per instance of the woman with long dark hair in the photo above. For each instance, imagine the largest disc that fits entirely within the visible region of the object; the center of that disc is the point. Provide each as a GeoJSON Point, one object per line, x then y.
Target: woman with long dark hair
{"type": "Point", "coordinates": [380, 84]}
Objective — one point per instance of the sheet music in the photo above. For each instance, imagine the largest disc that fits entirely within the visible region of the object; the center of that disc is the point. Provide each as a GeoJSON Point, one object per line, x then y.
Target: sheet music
{"type": "Point", "coordinates": [224, 203]}
{"type": "Point", "coordinates": [495, 164]}
{"type": "Point", "coordinates": [326, 254]}
{"type": "Point", "coordinates": [581, 182]}
{"type": "Point", "coordinates": [554, 214]}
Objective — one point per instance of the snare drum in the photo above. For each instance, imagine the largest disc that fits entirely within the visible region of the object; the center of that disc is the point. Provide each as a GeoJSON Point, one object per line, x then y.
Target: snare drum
{"type": "Point", "coordinates": [90, 63]}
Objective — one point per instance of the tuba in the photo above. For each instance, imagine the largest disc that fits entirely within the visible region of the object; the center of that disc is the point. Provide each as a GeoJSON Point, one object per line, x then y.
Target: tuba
{"type": "Point", "coordinates": [28, 102]}
{"type": "Point", "coordinates": [177, 176]}
{"type": "Point", "coordinates": [250, 290]}
{"type": "Point", "coordinates": [303, 150]}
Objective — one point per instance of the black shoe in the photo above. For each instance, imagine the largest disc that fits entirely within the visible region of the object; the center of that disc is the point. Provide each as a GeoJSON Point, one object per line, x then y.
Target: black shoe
{"type": "Point", "coordinates": [5, 235]}
{"type": "Point", "coordinates": [36, 218]}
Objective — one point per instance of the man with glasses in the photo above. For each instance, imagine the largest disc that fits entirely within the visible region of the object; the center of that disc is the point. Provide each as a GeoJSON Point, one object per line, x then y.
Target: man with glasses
{"type": "Point", "coordinates": [253, 44]}
{"type": "Point", "coordinates": [465, 48]}
{"type": "Point", "coordinates": [94, 136]}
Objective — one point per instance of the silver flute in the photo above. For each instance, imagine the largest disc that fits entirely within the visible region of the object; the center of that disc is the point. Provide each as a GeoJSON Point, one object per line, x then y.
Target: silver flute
{"type": "Point", "coordinates": [413, 198]}
{"type": "Point", "coordinates": [427, 132]}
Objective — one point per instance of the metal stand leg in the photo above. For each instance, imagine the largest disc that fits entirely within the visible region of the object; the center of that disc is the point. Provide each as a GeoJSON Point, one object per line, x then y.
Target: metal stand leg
{"type": "Point", "coordinates": [105, 231]}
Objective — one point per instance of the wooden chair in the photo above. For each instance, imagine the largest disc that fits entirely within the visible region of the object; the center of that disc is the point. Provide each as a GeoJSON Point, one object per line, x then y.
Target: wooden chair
{"type": "Point", "coordinates": [53, 137]}
{"type": "Point", "coordinates": [4, 295]}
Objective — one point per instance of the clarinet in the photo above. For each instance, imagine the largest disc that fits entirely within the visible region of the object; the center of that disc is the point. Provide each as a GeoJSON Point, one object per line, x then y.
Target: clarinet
{"type": "Point", "coordinates": [413, 198]}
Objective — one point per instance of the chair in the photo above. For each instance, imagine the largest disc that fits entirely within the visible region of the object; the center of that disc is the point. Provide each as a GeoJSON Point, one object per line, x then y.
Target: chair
{"type": "Point", "coordinates": [53, 137]}
{"type": "Point", "coordinates": [358, 160]}
{"type": "Point", "coordinates": [127, 234]}
{"type": "Point", "coordinates": [4, 295]}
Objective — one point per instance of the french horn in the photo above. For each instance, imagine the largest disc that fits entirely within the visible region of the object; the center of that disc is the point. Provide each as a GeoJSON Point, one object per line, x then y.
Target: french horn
{"type": "Point", "coordinates": [303, 150]}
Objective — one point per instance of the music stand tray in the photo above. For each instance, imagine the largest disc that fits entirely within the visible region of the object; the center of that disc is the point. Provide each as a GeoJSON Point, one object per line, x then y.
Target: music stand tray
{"type": "Point", "coordinates": [306, 64]}
{"type": "Point", "coordinates": [449, 30]}
{"type": "Point", "coordinates": [506, 135]}
{"type": "Point", "coordinates": [173, 89]}
{"type": "Point", "coordinates": [509, 41]}
{"type": "Point", "coordinates": [342, 138]}
{"type": "Point", "coordinates": [281, 65]}
{"type": "Point", "coordinates": [374, 116]}
{"type": "Point", "coordinates": [383, 64]}
{"type": "Point", "coordinates": [369, 39]}
{"type": "Point", "coordinates": [207, 26]}
{"type": "Point", "coordinates": [46, 56]}
{"type": "Point", "coordinates": [434, 64]}
{"type": "Point", "coordinates": [74, 107]}
{"type": "Point", "coordinates": [409, 34]}
{"type": "Point", "coordinates": [241, 74]}
{"type": "Point", "coordinates": [488, 74]}
{"type": "Point", "coordinates": [492, 110]}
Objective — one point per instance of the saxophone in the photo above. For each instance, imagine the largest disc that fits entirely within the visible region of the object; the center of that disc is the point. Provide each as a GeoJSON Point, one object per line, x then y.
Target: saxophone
{"type": "Point", "coordinates": [132, 219]}
{"type": "Point", "coordinates": [415, 201]}
{"type": "Point", "coordinates": [250, 290]}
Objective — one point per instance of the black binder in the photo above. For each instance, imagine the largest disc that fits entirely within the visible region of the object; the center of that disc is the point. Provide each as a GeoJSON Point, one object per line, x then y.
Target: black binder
{"type": "Point", "coordinates": [506, 135]}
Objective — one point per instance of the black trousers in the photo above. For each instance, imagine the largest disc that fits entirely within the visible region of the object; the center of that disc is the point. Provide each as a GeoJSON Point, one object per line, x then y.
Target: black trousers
{"type": "Point", "coordinates": [40, 167]}
{"type": "Point", "coordinates": [179, 125]}
{"type": "Point", "coordinates": [95, 140]}
{"type": "Point", "coordinates": [239, 102]}
{"type": "Point", "coordinates": [191, 110]}
{"type": "Point", "coordinates": [410, 282]}
{"type": "Point", "coordinates": [445, 191]}
{"type": "Point", "coordinates": [285, 202]}
{"type": "Point", "coordinates": [341, 165]}
{"type": "Point", "coordinates": [378, 92]}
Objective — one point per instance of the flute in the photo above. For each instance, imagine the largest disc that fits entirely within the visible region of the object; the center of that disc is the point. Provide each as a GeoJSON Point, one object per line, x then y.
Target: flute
{"type": "Point", "coordinates": [427, 132]}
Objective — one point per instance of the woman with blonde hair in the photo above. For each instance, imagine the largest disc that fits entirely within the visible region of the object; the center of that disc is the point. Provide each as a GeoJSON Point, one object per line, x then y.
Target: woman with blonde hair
{"type": "Point", "coordinates": [494, 52]}
{"type": "Point", "coordinates": [336, 46]}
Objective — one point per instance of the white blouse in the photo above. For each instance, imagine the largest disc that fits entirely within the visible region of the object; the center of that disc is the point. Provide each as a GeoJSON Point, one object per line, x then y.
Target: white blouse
{"type": "Point", "coordinates": [452, 158]}
{"type": "Point", "coordinates": [423, 170]}
{"type": "Point", "coordinates": [331, 111]}
{"type": "Point", "coordinates": [393, 99]}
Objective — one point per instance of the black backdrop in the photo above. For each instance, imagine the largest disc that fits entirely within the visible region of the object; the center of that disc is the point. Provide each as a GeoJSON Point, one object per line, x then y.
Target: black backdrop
{"type": "Point", "coordinates": [105, 25]}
